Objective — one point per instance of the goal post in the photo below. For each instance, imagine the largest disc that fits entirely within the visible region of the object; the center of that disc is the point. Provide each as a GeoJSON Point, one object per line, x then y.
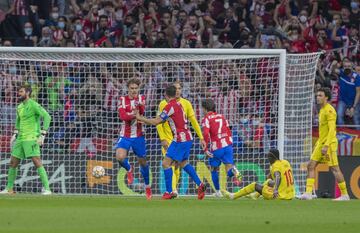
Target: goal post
{"type": "Point", "coordinates": [265, 94]}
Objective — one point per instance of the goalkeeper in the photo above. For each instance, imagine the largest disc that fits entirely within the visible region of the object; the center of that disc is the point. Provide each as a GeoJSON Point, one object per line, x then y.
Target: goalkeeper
{"type": "Point", "coordinates": [166, 135]}
{"type": "Point", "coordinates": [28, 138]}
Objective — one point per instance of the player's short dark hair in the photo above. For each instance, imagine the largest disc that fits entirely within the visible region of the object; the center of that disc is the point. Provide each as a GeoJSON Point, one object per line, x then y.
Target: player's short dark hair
{"type": "Point", "coordinates": [27, 88]}
{"type": "Point", "coordinates": [326, 91]}
{"type": "Point", "coordinates": [274, 153]}
{"type": "Point", "coordinates": [133, 81]}
{"type": "Point", "coordinates": [170, 91]}
{"type": "Point", "coordinates": [208, 104]}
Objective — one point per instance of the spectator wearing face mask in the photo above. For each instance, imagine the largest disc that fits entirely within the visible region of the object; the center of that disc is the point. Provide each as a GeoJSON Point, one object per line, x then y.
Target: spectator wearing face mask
{"type": "Point", "coordinates": [46, 38]}
{"type": "Point", "coordinates": [355, 12]}
{"type": "Point", "coordinates": [29, 39]}
{"type": "Point", "coordinates": [349, 92]}
{"type": "Point", "coordinates": [79, 36]}
{"type": "Point", "coordinates": [53, 19]}
{"type": "Point", "coordinates": [60, 34]}
{"type": "Point", "coordinates": [9, 82]}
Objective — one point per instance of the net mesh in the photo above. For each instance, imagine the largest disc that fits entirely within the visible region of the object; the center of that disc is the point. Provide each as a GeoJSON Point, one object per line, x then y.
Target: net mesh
{"type": "Point", "coordinates": [81, 93]}
{"type": "Point", "coordinates": [299, 97]}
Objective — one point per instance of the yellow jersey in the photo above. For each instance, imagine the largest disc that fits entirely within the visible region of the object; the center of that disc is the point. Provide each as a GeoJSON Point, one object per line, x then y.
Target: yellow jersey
{"type": "Point", "coordinates": [327, 125]}
{"type": "Point", "coordinates": [164, 129]}
{"type": "Point", "coordinates": [286, 188]}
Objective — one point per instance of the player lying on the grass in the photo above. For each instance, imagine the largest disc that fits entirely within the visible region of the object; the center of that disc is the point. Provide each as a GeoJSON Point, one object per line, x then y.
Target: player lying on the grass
{"type": "Point", "coordinates": [217, 132]}
{"type": "Point", "coordinates": [166, 135]}
{"type": "Point", "coordinates": [280, 186]}
{"type": "Point", "coordinates": [326, 147]}
{"type": "Point", "coordinates": [27, 139]}
{"type": "Point", "coordinates": [179, 149]}
{"type": "Point", "coordinates": [132, 133]}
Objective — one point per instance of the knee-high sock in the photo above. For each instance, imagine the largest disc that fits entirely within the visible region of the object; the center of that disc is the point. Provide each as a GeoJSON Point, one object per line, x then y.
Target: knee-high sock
{"type": "Point", "coordinates": [191, 171]}
{"type": "Point", "coordinates": [309, 185]}
{"type": "Point", "coordinates": [245, 191]}
{"type": "Point", "coordinates": [176, 177]}
{"type": "Point", "coordinates": [43, 177]}
{"type": "Point", "coordinates": [125, 164]}
{"type": "Point", "coordinates": [215, 179]}
{"type": "Point", "coordinates": [168, 173]}
{"type": "Point", "coordinates": [145, 174]}
{"type": "Point", "coordinates": [342, 187]}
{"type": "Point", "coordinates": [11, 178]}
{"type": "Point", "coordinates": [230, 173]}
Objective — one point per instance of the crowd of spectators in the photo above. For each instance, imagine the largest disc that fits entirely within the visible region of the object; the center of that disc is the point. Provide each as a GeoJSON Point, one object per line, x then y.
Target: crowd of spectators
{"type": "Point", "coordinates": [296, 25]}
{"type": "Point", "coordinates": [299, 26]}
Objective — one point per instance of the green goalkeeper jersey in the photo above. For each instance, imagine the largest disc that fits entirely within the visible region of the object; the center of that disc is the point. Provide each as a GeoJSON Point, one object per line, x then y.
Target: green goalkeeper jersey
{"type": "Point", "coordinates": [28, 115]}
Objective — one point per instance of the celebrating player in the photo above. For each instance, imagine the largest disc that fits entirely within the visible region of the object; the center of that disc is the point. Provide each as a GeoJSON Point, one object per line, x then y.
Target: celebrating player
{"type": "Point", "coordinates": [179, 149]}
{"type": "Point", "coordinates": [28, 138]}
{"type": "Point", "coordinates": [216, 131]}
{"type": "Point", "coordinates": [326, 147]}
{"type": "Point", "coordinates": [280, 186]}
{"type": "Point", "coordinates": [131, 134]}
{"type": "Point", "coordinates": [166, 135]}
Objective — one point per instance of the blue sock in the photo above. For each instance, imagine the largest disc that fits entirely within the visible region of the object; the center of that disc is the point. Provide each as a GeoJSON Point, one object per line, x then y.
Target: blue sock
{"type": "Point", "coordinates": [145, 173]}
{"type": "Point", "coordinates": [191, 171]}
{"type": "Point", "coordinates": [168, 179]}
{"type": "Point", "coordinates": [125, 164]}
{"type": "Point", "coordinates": [230, 173]}
{"type": "Point", "coordinates": [215, 179]}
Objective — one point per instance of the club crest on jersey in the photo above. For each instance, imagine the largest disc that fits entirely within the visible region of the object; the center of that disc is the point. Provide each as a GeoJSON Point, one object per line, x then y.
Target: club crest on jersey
{"type": "Point", "coordinates": [163, 115]}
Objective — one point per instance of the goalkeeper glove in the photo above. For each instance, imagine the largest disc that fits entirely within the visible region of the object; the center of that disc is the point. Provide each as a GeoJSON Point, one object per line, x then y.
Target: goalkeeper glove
{"type": "Point", "coordinates": [13, 137]}
{"type": "Point", "coordinates": [41, 138]}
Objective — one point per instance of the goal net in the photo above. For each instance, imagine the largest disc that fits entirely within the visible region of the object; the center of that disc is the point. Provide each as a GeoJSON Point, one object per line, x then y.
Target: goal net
{"type": "Point", "coordinates": [266, 105]}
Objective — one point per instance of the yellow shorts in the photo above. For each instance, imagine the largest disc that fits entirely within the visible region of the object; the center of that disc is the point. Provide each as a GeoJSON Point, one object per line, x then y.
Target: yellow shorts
{"type": "Point", "coordinates": [331, 156]}
{"type": "Point", "coordinates": [267, 192]}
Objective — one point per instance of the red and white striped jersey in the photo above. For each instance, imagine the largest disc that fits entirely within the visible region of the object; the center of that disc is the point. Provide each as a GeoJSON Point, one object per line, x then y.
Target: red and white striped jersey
{"type": "Point", "coordinates": [20, 8]}
{"type": "Point", "coordinates": [174, 113]}
{"type": "Point", "coordinates": [216, 130]}
{"type": "Point", "coordinates": [228, 104]}
{"type": "Point", "coordinates": [130, 127]}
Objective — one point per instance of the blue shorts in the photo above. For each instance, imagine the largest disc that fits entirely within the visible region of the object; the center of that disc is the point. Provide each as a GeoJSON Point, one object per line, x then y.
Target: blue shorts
{"type": "Point", "coordinates": [223, 155]}
{"type": "Point", "coordinates": [137, 145]}
{"type": "Point", "coordinates": [179, 151]}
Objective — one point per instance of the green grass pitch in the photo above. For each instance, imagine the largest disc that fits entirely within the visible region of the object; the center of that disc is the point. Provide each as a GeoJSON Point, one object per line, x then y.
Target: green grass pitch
{"type": "Point", "coordinates": [72, 214]}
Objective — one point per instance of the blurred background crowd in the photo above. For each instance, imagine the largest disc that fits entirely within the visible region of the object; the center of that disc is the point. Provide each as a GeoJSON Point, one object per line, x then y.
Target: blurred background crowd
{"type": "Point", "coordinates": [299, 26]}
